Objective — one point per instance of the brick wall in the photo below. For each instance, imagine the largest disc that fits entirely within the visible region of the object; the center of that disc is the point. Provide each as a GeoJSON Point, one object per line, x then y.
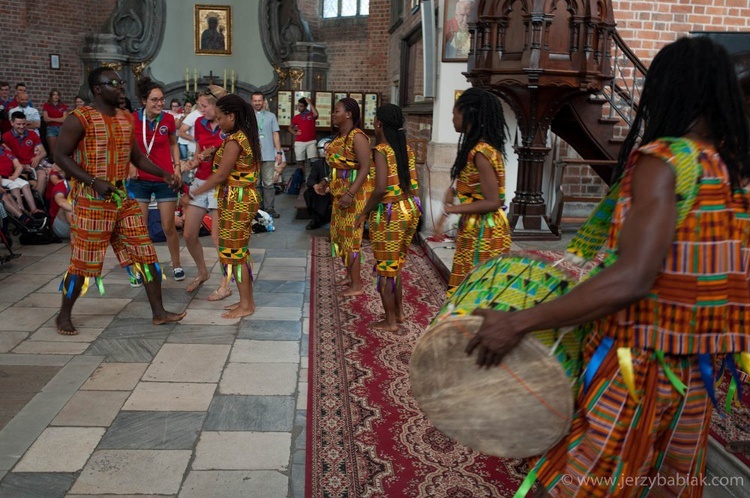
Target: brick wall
{"type": "Point", "coordinates": [31, 30]}
{"type": "Point", "coordinates": [647, 26]}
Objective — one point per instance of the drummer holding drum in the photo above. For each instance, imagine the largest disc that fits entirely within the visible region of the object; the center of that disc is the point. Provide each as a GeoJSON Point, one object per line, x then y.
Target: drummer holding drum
{"type": "Point", "coordinates": [673, 297]}
{"type": "Point", "coordinates": [479, 176]}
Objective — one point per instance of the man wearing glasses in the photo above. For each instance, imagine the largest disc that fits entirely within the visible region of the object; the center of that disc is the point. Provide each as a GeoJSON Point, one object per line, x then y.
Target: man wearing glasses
{"type": "Point", "coordinates": [95, 148]}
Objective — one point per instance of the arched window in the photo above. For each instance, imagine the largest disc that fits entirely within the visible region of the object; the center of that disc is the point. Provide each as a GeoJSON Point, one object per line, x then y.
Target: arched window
{"type": "Point", "coordinates": [345, 8]}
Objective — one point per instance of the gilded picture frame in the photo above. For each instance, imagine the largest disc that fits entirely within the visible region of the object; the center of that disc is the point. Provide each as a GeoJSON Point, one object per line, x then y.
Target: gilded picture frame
{"type": "Point", "coordinates": [213, 30]}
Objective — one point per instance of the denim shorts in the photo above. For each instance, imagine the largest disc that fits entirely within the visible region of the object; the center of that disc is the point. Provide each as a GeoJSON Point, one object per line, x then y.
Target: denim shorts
{"type": "Point", "coordinates": [141, 191]}
{"type": "Point", "coordinates": [206, 200]}
{"type": "Point", "coordinates": [53, 131]}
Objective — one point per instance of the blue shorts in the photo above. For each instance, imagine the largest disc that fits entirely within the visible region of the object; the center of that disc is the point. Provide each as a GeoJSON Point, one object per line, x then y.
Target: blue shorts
{"type": "Point", "coordinates": [53, 131]}
{"type": "Point", "coordinates": [141, 191]}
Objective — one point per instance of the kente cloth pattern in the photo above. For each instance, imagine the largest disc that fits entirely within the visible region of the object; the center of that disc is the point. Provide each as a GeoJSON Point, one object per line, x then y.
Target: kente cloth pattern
{"type": "Point", "coordinates": [728, 426]}
{"type": "Point", "coordinates": [238, 203]}
{"type": "Point", "coordinates": [104, 151]}
{"type": "Point", "coordinates": [394, 221]}
{"type": "Point", "coordinates": [615, 442]}
{"type": "Point", "coordinates": [480, 236]}
{"type": "Point", "coordinates": [346, 240]}
{"type": "Point", "coordinates": [98, 223]}
{"type": "Point", "coordinates": [366, 436]}
{"type": "Point", "coordinates": [700, 302]}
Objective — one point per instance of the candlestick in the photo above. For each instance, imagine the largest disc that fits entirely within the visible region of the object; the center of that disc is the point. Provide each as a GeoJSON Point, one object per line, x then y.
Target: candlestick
{"type": "Point", "coordinates": [225, 79]}
{"type": "Point", "coordinates": [195, 79]}
{"type": "Point", "coordinates": [187, 80]}
{"type": "Point", "coordinates": [233, 79]}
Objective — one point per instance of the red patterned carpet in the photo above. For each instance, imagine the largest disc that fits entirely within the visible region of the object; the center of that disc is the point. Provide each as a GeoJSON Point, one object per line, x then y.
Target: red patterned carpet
{"type": "Point", "coordinates": [366, 435]}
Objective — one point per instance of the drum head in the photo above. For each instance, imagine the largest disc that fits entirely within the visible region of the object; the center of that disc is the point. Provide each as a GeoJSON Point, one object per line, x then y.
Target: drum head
{"type": "Point", "coordinates": [516, 410]}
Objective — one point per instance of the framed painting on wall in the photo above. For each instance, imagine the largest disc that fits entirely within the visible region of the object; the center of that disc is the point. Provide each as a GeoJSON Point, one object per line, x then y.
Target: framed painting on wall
{"type": "Point", "coordinates": [338, 96]}
{"type": "Point", "coordinates": [456, 40]}
{"type": "Point", "coordinates": [371, 105]}
{"type": "Point", "coordinates": [213, 30]}
{"type": "Point", "coordinates": [358, 97]}
{"type": "Point", "coordinates": [324, 105]}
{"type": "Point", "coordinates": [284, 108]}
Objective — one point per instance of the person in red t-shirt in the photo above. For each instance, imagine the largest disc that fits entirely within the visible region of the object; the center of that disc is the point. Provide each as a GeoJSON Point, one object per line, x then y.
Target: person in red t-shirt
{"type": "Point", "coordinates": [208, 137]}
{"type": "Point", "coordinates": [27, 147]}
{"type": "Point", "coordinates": [155, 133]}
{"type": "Point", "coordinates": [10, 171]}
{"type": "Point", "coordinates": [54, 113]}
{"type": "Point", "coordinates": [303, 129]}
{"type": "Point", "coordinates": [60, 209]}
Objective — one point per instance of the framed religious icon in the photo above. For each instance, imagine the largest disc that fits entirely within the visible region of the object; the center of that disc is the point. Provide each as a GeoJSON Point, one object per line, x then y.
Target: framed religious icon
{"type": "Point", "coordinates": [284, 108]}
{"type": "Point", "coordinates": [456, 40]}
{"type": "Point", "coordinates": [371, 105]}
{"type": "Point", "coordinates": [324, 105]}
{"type": "Point", "coordinates": [213, 30]}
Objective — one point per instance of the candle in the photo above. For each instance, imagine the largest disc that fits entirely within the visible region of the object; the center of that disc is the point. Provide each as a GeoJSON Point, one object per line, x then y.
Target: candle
{"type": "Point", "coordinates": [233, 80]}
{"type": "Point", "coordinates": [187, 80]}
{"type": "Point", "coordinates": [225, 79]}
{"type": "Point", "coordinates": [195, 80]}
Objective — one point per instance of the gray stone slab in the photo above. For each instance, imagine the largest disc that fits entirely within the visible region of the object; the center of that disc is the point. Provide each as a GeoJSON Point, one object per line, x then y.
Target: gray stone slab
{"type": "Point", "coordinates": [50, 334]}
{"type": "Point", "coordinates": [239, 451]}
{"type": "Point", "coordinates": [19, 292]}
{"type": "Point", "coordinates": [249, 351]}
{"type": "Point", "coordinates": [287, 253]}
{"type": "Point", "coordinates": [126, 350]}
{"type": "Point", "coordinates": [136, 310]}
{"type": "Point", "coordinates": [250, 413]}
{"type": "Point", "coordinates": [173, 298]}
{"type": "Point", "coordinates": [18, 319]}
{"type": "Point", "coordinates": [91, 408]}
{"type": "Point", "coordinates": [262, 286]}
{"type": "Point", "coordinates": [51, 360]}
{"type": "Point", "coordinates": [133, 472]}
{"type": "Point", "coordinates": [170, 396]}
{"type": "Point", "coordinates": [208, 317]}
{"type": "Point", "coordinates": [260, 483]}
{"type": "Point", "coordinates": [51, 347]}
{"type": "Point", "coordinates": [132, 328]}
{"type": "Point", "coordinates": [153, 431]}
{"type": "Point", "coordinates": [9, 340]}
{"type": "Point", "coordinates": [60, 449]}
{"type": "Point", "coordinates": [278, 299]}
{"type": "Point", "coordinates": [201, 334]}
{"type": "Point", "coordinates": [23, 430]}
{"type": "Point", "coordinates": [298, 474]}
{"type": "Point", "coordinates": [270, 330]}
{"type": "Point", "coordinates": [274, 379]}
{"type": "Point", "coordinates": [277, 261]}
{"type": "Point", "coordinates": [21, 278]}
{"type": "Point", "coordinates": [188, 363]}
{"type": "Point", "coordinates": [94, 304]}
{"type": "Point", "coordinates": [276, 273]}
{"type": "Point", "coordinates": [115, 377]}
{"type": "Point", "coordinates": [275, 313]}
{"type": "Point", "coordinates": [36, 485]}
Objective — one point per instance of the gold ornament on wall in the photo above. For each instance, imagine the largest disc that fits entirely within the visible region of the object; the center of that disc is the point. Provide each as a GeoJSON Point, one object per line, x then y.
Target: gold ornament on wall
{"type": "Point", "coordinates": [296, 75]}
{"type": "Point", "coordinates": [281, 74]}
{"type": "Point", "coordinates": [115, 66]}
{"type": "Point", "coordinates": [139, 68]}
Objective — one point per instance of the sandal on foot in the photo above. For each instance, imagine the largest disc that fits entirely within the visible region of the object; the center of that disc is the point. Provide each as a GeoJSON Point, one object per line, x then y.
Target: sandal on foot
{"type": "Point", "coordinates": [195, 284]}
{"type": "Point", "coordinates": [218, 296]}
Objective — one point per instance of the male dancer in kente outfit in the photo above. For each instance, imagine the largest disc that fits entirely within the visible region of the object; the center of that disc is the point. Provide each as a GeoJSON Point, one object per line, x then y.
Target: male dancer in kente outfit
{"type": "Point", "coordinates": [673, 297]}
{"type": "Point", "coordinates": [94, 149]}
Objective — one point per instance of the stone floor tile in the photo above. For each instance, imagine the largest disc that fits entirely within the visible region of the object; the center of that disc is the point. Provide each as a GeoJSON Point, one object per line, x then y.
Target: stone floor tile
{"type": "Point", "coordinates": [20, 291]}
{"type": "Point", "coordinates": [60, 449]}
{"type": "Point", "coordinates": [263, 286]}
{"type": "Point", "coordinates": [9, 340]}
{"type": "Point", "coordinates": [245, 351]}
{"type": "Point", "coordinates": [115, 377]}
{"type": "Point", "coordinates": [298, 474]}
{"type": "Point", "coordinates": [239, 451]}
{"type": "Point", "coordinates": [87, 321]}
{"type": "Point", "coordinates": [135, 309]}
{"type": "Point", "coordinates": [125, 350]}
{"type": "Point", "coordinates": [302, 396]}
{"type": "Point", "coordinates": [133, 472]}
{"type": "Point", "coordinates": [50, 334]}
{"type": "Point", "coordinates": [48, 347]}
{"type": "Point", "coordinates": [21, 278]}
{"type": "Point", "coordinates": [199, 334]}
{"type": "Point", "coordinates": [275, 313]}
{"type": "Point", "coordinates": [278, 299]}
{"type": "Point", "coordinates": [170, 396]}
{"type": "Point", "coordinates": [259, 379]}
{"type": "Point", "coordinates": [99, 305]}
{"type": "Point", "coordinates": [36, 485]}
{"type": "Point", "coordinates": [174, 298]}
{"type": "Point", "coordinates": [293, 274]}
{"type": "Point", "coordinates": [37, 300]}
{"type": "Point", "coordinates": [91, 408]}
{"type": "Point", "coordinates": [285, 262]}
{"type": "Point", "coordinates": [19, 319]}
{"type": "Point", "coordinates": [207, 317]}
{"type": "Point", "coordinates": [188, 363]}
{"type": "Point", "coordinates": [275, 330]}
{"type": "Point", "coordinates": [250, 413]}
{"type": "Point", "coordinates": [153, 431]}
{"type": "Point", "coordinates": [131, 328]}
{"type": "Point", "coordinates": [261, 483]}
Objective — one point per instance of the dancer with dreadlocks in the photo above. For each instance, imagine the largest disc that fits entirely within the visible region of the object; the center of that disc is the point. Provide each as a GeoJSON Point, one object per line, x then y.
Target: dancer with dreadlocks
{"type": "Point", "coordinates": [672, 298]}
{"type": "Point", "coordinates": [393, 208]}
{"type": "Point", "coordinates": [479, 177]}
{"type": "Point", "coordinates": [348, 156]}
{"type": "Point", "coordinates": [236, 172]}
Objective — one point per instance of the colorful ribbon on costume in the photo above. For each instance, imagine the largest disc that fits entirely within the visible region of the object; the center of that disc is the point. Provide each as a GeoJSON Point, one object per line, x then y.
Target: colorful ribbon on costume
{"type": "Point", "coordinates": [596, 361]}
{"type": "Point", "coordinates": [625, 359]}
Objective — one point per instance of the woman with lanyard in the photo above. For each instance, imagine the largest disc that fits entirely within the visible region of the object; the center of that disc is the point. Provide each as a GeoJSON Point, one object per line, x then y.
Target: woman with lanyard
{"type": "Point", "coordinates": [348, 156]}
{"type": "Point", "coordinates": [208, 137]}
{"type": "Point", "coordinates": [479, 175]}
{"type": "Point", "coordinates": [154, 132]}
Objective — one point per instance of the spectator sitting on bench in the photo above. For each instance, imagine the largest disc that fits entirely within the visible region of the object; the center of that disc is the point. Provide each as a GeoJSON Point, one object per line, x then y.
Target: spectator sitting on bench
{"type": "Point", "coordinates": [10, 171]}
{"type": "Point", "coordinates": [27, 147]}
{"type": "Point", "coordinates": [318, 194]}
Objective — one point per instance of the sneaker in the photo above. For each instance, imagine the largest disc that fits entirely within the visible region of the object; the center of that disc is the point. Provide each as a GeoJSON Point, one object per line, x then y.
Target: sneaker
{"type": "Point", "coordinates": [179, 274]}
{"type": "Point", "coordinates": [136, 281]}
{"type": "Point", "coordinates": [273, 213]}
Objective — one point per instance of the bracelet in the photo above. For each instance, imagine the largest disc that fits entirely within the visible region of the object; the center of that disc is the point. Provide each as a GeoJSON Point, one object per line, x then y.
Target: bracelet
{"type": "Point", "coordinates": [350, 194]}
{"type": "Point", "coordinates": [91, 183]}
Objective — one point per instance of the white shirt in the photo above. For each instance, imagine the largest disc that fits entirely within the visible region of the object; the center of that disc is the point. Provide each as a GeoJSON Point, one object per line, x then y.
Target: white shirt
{"type": "Point", "coordinates": [28, 111]}
{"type": "Point", "coordinates": [189, 120]}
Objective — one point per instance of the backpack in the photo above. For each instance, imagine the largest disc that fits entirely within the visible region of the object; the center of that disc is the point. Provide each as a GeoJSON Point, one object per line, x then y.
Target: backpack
{"type": "Point", "coordinates": [295, 182]}
{"type": "Point", "coordinates": [205, 226]}
{"type": "Point", "coordinates": [155, 230]}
